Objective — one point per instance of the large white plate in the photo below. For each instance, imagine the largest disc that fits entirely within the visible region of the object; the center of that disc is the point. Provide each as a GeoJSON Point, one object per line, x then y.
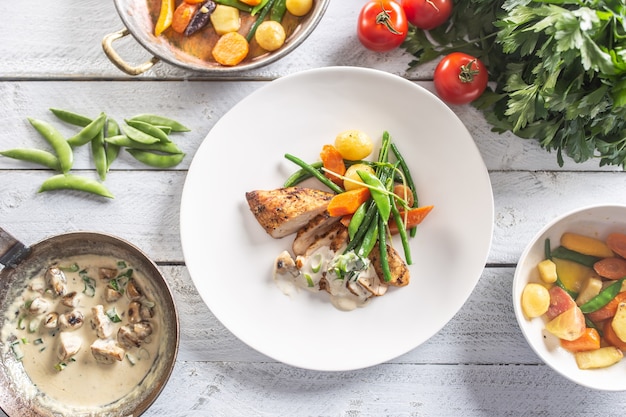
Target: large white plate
{"type": "Point", "coordinates": [230, 257]}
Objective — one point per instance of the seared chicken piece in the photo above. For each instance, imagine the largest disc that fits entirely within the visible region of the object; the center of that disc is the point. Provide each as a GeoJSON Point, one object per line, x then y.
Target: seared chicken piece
{"type": "Point", "coordinates": [57, 281]}
{"type": "Point", "coordinates": [400, 274]}
{"type": "Point", "coordinates": [334, 238]}
{"type": "Point", "coordinates": [107, 351]}
{"type": "Point", "coordinates": [284, 211]}
{"type": "Point", "coordinates": [134, 334]}
{"type": "Point", "coordinates": [101, 323]}
{"type": "Point", "coordinates": [72, 320]}
{"type": "Point", "coordinates": [68, 345]}
{"type": "Point", "coordinates": [317, 227]}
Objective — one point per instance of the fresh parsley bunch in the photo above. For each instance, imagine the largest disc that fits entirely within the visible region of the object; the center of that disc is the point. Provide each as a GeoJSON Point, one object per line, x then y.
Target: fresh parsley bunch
{"type": "Point", "coordinates": [559, 68]}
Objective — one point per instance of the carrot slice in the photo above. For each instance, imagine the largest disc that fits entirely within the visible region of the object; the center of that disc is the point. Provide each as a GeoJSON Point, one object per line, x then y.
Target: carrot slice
{"type": "Point", "coordinates": [589, 340]}
{"type": "Point", "coordinates": [230, 49]}
{"type": "Point", "coordinates": [183, 15]}
{"type": "Point", "coordinates": [608, 310]}
{"type": "Point", "coordinates": [345, 220]}
{"type": "Point", "coordinates": [347, 202]}
{"type": "Point", "coordinates": [617, 243]}
{"type": "Point", "coordinates": [333, 161]}
{"type": "Point", "coordinates": [413, 217]}
{"type": "Point", "coordinates": [611, 268]}
{"type": "Point", "coordinates": [611, 338]}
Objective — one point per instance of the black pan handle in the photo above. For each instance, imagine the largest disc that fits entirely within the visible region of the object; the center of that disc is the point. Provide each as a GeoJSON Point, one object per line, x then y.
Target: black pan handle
{"type": "Point", "coordinates": [12, 251]}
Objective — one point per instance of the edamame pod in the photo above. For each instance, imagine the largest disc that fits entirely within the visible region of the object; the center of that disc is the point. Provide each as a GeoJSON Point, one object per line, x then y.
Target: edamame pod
{"type": "Point", "coordinates": [88, 132]}
{"type": "Point", "coordinates": [36, 156]}
{"type": "Point", "coordinates": [155, 120]}
{"type": "Point", "coordinates": [74, 182]}
{"type": "Point", "coordinates": [156, 160]}
{"type": "Point", "coordinates": [62, 149]}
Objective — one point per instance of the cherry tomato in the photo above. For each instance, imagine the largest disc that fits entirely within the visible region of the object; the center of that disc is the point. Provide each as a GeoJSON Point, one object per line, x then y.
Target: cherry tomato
{"type": "Point", "coordinates": [382, 25]}
{"type": "Point", "coordinates": [427, 14]}
{"type": "Point", "coordinates": [460, 78]}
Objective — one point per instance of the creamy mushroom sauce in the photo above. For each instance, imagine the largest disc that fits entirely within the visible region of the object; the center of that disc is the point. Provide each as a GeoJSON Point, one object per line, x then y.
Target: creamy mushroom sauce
{"type": "Point", "coordinates": [345, 295]}
{"type": "Point", "coordinates": [80, 381]}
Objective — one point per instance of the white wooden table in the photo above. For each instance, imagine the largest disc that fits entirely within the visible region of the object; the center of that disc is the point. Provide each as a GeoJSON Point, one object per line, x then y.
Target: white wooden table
{"type": "Point", "coordinates": [478, 365]}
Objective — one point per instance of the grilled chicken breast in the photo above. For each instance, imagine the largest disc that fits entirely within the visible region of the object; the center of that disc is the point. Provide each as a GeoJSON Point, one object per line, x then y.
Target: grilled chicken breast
{"type": "Point", "coordinates": [284, 211]}
{"type": "Point", "coordinates": [400, 275]}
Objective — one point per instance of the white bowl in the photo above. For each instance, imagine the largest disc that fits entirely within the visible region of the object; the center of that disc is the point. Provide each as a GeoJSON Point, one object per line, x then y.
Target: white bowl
{"type": "Point", "coordinates": [594, 221]}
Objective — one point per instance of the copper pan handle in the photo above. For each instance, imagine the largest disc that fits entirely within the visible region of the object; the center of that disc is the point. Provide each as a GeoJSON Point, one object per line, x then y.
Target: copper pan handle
{"type": "Point", "coordinates": [115, 58]}
{"type": "Point", "coordinates": [12, 251]}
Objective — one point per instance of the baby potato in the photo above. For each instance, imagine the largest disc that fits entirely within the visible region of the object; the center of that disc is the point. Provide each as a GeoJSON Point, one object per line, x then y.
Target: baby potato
{"type": "Point", "coordinates": [535, 300]}
{"type": "Point", "coordinates": [354, 144]}
{"type": "Point", "coordinates": [225, 19]}
{"type": "Point", "coordinates": [270, 35]}
{"type": "Point", "coordinates": [351, 174]}
{"type": "Point", "coordinates": [299, 7]}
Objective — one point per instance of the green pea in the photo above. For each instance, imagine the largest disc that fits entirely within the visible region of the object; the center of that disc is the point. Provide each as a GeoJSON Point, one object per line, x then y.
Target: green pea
{"type": "Point", "coordinates": [156, 160]}
{"type": "Point", "coordinates": [126, 142]}
{"type": "Point", "coordinates": [62, 149]}
{"type": "Point", "coordinates": [71, 117]}
{"type": "Point", "coordinates": [149, 129]}
{"type": "Point", "coordinates": [139, 136]}
{"type": "Point", "coordinates": [75, 182]}
{"type": "Point", "coordinates": [88, 132]}
{"type": "Point", "coordinates": [36, 156]}
{"type": "Point", "coordinates": [161, 121]}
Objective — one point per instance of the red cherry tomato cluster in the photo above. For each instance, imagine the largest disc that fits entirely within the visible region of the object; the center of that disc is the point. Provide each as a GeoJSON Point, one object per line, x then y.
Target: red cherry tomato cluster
{"type": "Point", "coordinates": [383, 26]}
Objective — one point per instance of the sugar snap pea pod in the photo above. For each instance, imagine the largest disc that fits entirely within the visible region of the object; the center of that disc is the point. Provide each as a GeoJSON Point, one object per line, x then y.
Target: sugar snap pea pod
{"type": "Point", "coordinates": [88, 132]}
{"type": "Point", "coordinates": [278, 10]}
{"type": "Point", "coordinates": [156, 160]}
{"type": "Point", "coordinates": [156, 120]}
{"type": "Point", "coordinates": [71, 117]}
{"type": "Point", "coordinates": [36, 156]}
{"type": "Point", "coordinates": [148, 129]}
{"type": "Point", "coordinates": [315, 173]}
{"type": "Point", "coordinates": [75, 182]}
{"type": "Point", "coordinates": [111, 150]}
{"type": "Point", "coordinates": [602, 299]}
{"type": "Point", "coordinates": [62, 149]}
{"type": "Point", "coordinates": [99, 155]}
{"type": "Point", "coordinates": [357, 219]}
{"type": "Point", "coordinates": [139, 136]}
{"type": "Point", "coordinates": [370, 238]}
{"type": "Point", "coordinates": [372, 210]}
{"type": "Point", "coordinates": [126, 142]}
{"type": "Point", "coordinates": [379, 193]}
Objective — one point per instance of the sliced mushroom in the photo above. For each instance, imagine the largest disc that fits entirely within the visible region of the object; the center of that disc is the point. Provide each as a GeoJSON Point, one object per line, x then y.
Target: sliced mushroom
{"type": "Point", "coordinates": [51, 320]}
{"type": "Point", "coordinates": [107, 273]}
{"type": "Point", "coordinates": [146, 312]}
{"type": "Point", "coordinates": [72, 320]}
{"type": "Point", "coordinates": [373, 285]}
{"type": "Point", "coordinates": [111, 295]}
{"type": "Point", "coordinates": [133, 290]}
{"type": "Point", "coordinates": [70, 299]}
{"type": "Point", "coordinates": [285, 265]}
{"type": "Point", "coordinates": [134, 312]}
{"type": "Point", "coordinates": [107, 351]}
{"type": "Point", "coordinates": [69, 344]}
{"type": "Point", "coordinates": [57, 280]}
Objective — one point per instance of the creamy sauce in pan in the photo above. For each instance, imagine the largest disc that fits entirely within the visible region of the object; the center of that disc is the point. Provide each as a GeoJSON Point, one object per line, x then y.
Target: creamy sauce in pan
{"type": "Point", "coordinates": [81, 380]}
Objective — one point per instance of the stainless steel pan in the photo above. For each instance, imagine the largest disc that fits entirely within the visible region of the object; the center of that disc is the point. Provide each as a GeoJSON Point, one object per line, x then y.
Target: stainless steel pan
{"type": "Point", "coordinates": [21, 262]}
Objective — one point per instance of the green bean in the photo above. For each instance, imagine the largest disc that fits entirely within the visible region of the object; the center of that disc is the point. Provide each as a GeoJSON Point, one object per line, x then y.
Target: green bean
{"type": "Point", "coordinates": [126, 142]}
{"type": "Point", "coordinates": [111, 150]}
{"type": "Point", "coordinates": [156, 160]}
{"type": "Point", "coordinates": [403, 235]}
{"type": "Point", "coordinates": [259, 19]}
{"type": "Point", "coordinates": [36, 156]}
{"type": "Point", "coordinates": [562, 252]}
{"type": "Point", "coordinates": [370, 238]}
{"type": "Point", "coordinates": [301, 175]}
{"type": "Point", "coordinates": [98, 153]}
{"type": "Point", "coordinates": [315, 173]}
{"type": "Point", "coordinates": [139, 136]}
{"type": "Point", "coordinates": [74, 182]}
{"type": "Point", "coordinates": [255, 9]}
{"type": "Point", "coordinates": [62, 149]}
{"type": "Point", "coordinates": [546, 249]}
{"type": "Point", "coordinates": [356, 220]}
{"type": "Point", "coordinates": [88, 132]}
{"type": "Point", "coordinates": [71, 117]}
{"type": "Point", "coordinates": [155, 120]}
{"type": "Point", "coordinates": [236, 4]}
{"type": "Point", "coordinates": [362, 230]}
{"type": "Point", "coordinates": [408, 178]}
{"type": "Point", "coordinates": [382, 246]}
{"type": "Point", "coordinates": [278, 11]}
{"type": "Point", "coordinates": [148, 129]}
